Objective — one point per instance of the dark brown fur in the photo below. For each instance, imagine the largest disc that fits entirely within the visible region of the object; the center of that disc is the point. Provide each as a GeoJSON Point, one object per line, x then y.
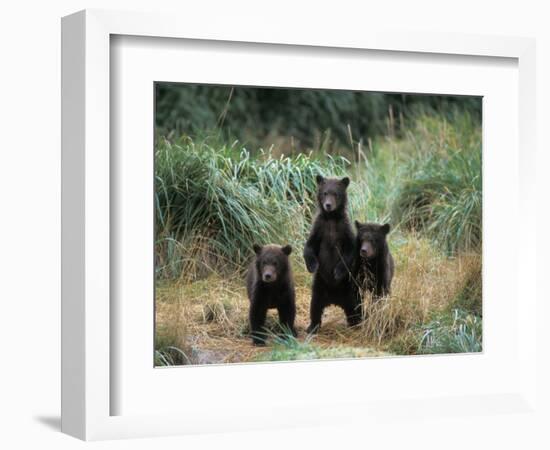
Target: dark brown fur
{"type": "Point", "coordinates": [270, 284]}
{"type": "Point", "coordinates": [329, 254]}
{"type": "Point", "coordinates": [375, 266]}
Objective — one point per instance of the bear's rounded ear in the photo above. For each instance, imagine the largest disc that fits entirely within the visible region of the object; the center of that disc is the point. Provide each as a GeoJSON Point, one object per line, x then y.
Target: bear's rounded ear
{"type": "Point", "coordinates": [385, 228]}
{"type": "Point", "coordinates": [357, 224]}
{"type": "Point", "coordinates": [257, 248]}
{"type": "Point", "coordinates": [320, 179]}
{"type": "Point", "coordinates": [287, 250]}
{"type": "Point", "coordinates": [345, 181]}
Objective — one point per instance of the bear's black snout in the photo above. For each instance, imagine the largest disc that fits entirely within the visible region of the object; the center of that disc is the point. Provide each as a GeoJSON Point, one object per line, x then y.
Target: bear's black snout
{"type": "Point", "coordinates": [328, 206]}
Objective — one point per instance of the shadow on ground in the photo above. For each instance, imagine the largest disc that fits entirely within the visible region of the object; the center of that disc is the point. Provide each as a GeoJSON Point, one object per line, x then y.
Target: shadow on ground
{"type": "Point", "coordinates": [51, 422]}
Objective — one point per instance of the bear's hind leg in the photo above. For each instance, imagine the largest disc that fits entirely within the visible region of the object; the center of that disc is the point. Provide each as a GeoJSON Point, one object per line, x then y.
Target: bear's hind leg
{"type": "Point", "coordinates": [353, 309]}
{"type": "Point", "coordinates": [316, 308]}
{"type": "Point", "coordinates": [315, 313]}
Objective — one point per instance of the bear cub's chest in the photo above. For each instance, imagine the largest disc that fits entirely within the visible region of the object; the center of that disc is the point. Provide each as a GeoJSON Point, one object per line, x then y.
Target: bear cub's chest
{"type": "Point", "coordinates": [272, 296]}
{"type": "Point", "coordinates": [333, 233]}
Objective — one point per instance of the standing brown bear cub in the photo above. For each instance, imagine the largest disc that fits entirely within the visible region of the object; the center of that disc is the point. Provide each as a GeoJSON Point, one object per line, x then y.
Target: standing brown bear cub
{"type": "Point", "coordinates": [375, 263]}
{"type": "Point", "coordinates": [329, 254]}
{"type": "Point", "coordinates": [269, 284]}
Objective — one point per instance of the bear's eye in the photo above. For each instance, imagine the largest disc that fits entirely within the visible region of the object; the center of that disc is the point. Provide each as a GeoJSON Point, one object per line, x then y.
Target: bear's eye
{"type": "Point", "coordinates": [325, 193]}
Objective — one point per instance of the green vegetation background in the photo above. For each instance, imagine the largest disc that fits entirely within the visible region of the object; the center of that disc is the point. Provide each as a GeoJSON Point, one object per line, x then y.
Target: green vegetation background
{"type": "Point", "coordinates": [254, 115]}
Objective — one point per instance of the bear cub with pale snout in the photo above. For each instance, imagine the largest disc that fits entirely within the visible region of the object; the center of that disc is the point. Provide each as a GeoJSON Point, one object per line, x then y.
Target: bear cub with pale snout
{"type": "Point", "coordinates": [375, 266]}
{"type": "Point", "coordinates": [269, 284]}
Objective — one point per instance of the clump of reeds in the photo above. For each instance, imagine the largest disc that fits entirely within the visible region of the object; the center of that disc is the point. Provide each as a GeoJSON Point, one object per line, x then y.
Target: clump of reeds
{"type": "Point", "coordinates": [171, 330]}
{"type": "Point", "coordinates": [440, 188]}
{"type": "Point", "coordinates": [214, 201]}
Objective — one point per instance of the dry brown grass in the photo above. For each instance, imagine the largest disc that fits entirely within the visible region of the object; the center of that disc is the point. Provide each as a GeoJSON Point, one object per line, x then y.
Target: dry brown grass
{"type": "Point", "coordinates": [208, 319]}
{"type": "Point", "coordinates": [425, 283]}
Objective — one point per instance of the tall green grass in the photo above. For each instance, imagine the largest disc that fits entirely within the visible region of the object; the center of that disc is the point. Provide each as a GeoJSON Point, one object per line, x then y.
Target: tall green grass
{"type": "Point", "coordinates": [440, 188]}
{"type": "Point", "coordinates": [214, 200]}
{"type": "Point", "coordinates": [429, 181]}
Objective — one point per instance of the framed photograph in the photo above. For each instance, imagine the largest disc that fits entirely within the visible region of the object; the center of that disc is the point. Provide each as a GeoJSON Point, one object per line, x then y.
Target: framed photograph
{"type": "Point", "coordinates": [252, 219]}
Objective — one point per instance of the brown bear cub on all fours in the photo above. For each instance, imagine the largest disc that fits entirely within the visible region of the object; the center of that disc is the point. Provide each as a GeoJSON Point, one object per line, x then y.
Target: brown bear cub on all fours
{"type": "Point", "coordinates": [269, 285]}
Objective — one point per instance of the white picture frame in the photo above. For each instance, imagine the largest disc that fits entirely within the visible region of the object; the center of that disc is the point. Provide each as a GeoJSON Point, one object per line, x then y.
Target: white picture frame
{"type": "Point", "coordinates": [87, 327]}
